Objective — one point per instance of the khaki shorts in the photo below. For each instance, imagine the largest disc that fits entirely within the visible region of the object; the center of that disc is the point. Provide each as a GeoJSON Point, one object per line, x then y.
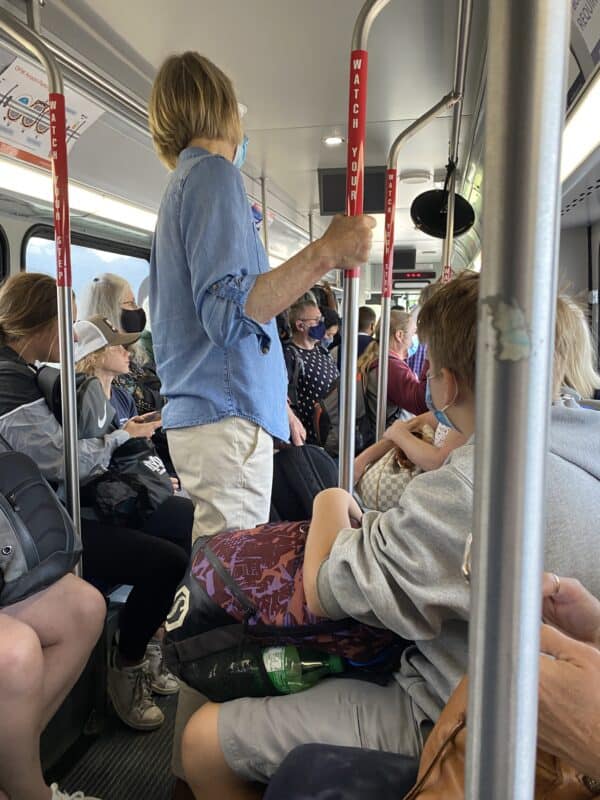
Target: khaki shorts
{"type": "Point", "coordinates": [257, 733]}
{"type": "Point", "coordinates": [227, 469]}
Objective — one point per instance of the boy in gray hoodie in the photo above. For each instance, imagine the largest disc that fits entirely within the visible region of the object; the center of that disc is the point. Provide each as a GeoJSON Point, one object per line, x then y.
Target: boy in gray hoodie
{"type": "Point", "coordinates": [401, 569]}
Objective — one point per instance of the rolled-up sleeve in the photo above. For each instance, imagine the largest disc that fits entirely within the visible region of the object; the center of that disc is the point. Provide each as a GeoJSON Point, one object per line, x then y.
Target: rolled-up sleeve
{"type": "Point", "coordinates": [218, 236]}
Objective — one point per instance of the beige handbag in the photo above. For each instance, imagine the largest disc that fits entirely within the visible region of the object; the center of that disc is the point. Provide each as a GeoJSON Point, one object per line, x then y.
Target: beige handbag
{"type": "Point", "coordinates": [383, 482]}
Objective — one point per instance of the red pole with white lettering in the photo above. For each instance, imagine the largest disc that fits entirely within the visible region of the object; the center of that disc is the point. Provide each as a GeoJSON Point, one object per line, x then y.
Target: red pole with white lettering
{"type": "Point", "coordinates": [391, 176]}
{"type": "Point", "coordinates": [354, 206]}
{"type": "Point", "coordinates": [62, 234]}
{"type": "Point", "coordinates": [31, 41]}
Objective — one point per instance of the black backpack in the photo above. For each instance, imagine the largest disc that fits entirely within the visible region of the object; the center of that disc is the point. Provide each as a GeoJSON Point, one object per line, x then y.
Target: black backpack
{"type": "Point", "coordinates": [135, 485]}
{"type": "Point", "coordinates": [38, 543]}
{"type": "Point", "coordinates": [299, 474]}
{"type": "Point", "coordinates": [326, 420]}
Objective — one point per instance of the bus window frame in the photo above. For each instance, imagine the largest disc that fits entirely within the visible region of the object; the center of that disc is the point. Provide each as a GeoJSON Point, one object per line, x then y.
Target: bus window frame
{"type": "Point", "coordinates": [44, 231]}
{"type": "Point", "coordinates": [4, 255]}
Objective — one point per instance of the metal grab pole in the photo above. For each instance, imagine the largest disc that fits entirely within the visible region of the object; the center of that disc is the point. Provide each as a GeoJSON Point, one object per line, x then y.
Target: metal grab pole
{"type": "Point", "coordinates": [34, 44]}
{"type": "Point", "coordinates": [388, 253]}
{"type": "Point", "coordinates": [465, 13]}
{"type": "Point", "coordinates": [524, 117]}
{"type": "Point", "coordinates": [357, 114]}
{"type": "Point", "coordinates": [263, 196]}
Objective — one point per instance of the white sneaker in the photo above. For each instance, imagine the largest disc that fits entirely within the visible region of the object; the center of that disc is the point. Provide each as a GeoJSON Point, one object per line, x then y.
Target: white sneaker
{"type": "Point", "coordinates": [129, 690]}
{"type": "Point", "coordinates": [58, 795]}
{"type": "Point", "coordinates": [162, 681]}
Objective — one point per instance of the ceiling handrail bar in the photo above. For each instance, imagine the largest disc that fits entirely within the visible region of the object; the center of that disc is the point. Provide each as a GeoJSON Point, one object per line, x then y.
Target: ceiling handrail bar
{"type": "Point", "coordinates": [527, 50]}
{"type": "Point", "coordinates": [355, 170]}
{"type": "Point", "coordinates": [34, 44]}
{"type": "Point", "coordinates": [463, 32]}
{"type": "Point", "coordinates": [391, 177]}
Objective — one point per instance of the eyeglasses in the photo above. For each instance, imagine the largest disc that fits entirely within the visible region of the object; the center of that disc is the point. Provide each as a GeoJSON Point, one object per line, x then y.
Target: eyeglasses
{"type": "Point", "coordinates": [315, 321]}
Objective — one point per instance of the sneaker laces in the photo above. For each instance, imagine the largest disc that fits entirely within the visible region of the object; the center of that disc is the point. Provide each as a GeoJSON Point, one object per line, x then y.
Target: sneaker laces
{"type": "Point", "coordinates": [58, 795]}
{"type": "Point", "coordinates": [142, 689]}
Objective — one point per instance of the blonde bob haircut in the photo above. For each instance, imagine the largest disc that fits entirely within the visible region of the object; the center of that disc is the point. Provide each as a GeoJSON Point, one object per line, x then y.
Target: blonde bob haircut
{"type": "Point", "coordinates": [191, 97]}
{"type": "Point", "coordinates": [574, 354]}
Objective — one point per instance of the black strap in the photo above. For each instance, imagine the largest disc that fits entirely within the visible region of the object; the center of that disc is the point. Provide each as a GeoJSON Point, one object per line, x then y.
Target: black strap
{"type": "Point", "coordinates": [229, 581]}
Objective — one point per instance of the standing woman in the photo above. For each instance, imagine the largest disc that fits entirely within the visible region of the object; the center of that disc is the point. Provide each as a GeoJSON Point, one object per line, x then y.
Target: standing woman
{"type": "Point", "coordinates": [311, 370]}
{"type": "Point", "coordinates": [213, 299]}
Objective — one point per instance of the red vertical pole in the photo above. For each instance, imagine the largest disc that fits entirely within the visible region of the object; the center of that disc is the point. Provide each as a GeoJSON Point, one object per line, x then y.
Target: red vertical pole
{"type": "Point", "coordinates": [391, 176]}
{"type": "Point", "coordinates": [60, 190]}
{"type": "Point", "coordinates": [357, 115]}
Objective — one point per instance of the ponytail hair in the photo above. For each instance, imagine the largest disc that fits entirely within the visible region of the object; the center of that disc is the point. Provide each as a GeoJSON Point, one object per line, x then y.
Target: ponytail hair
{"type": "Point", "coordinates": [27, 305]}
{"type": "Point", "coordinates": [399, 321]}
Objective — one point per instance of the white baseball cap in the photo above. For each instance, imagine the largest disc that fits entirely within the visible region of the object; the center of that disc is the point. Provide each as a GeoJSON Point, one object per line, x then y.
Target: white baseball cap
{"type": "Point", "coordinates": [95, 333]}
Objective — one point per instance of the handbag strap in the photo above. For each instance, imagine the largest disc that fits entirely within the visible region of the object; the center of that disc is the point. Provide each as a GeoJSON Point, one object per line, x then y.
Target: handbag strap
{"type": "Point", "coordinates": [229, 581]}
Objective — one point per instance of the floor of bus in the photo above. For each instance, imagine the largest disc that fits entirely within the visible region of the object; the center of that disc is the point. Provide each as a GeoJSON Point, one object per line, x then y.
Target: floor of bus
{"type": "Point", "coordinates": [123, 764]}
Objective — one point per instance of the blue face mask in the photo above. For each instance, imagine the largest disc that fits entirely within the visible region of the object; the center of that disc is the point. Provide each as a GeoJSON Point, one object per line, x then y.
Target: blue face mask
{"type": "Point", "coordinates": [439, 414]}
{"type": "Point", "coordinates": [326, 341]}
{"type": "Point", "coordinates": [240, 153]}
{"type": "Point", "coordinates": [414, 346]}
{"type": "Point", "coordinates": [317, 331]}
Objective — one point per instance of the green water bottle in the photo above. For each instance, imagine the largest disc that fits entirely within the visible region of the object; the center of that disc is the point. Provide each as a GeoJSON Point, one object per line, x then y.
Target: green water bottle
{"type": "Point", "coordinates": [292, 669]}
{"type": "Point", "coordinates": [253, 671]}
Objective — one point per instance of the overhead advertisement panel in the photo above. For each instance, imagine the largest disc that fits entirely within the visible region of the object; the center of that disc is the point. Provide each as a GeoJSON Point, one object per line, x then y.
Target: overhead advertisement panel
{"type": "Point", "coordinates": [25, 114]}
{"type": "Point", "coordinates": [586, 17]}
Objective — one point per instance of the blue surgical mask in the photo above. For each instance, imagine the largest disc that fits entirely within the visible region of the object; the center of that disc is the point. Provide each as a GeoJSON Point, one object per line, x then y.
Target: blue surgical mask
{"type": "Point", "coordinates": [326, 341]}
{"type": "Point", "coordinates": [438, 413]}
{"type": "Point", "coordinates": [414, 346]}
{"type": "Point", "coordinates": [240, 153]}
{"type": "Point", "coordinates": [317, 331]}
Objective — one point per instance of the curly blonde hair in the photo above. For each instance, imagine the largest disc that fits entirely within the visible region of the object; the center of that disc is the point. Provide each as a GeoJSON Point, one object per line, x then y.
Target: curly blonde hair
{"type": "Point", "coordinates": [89, 364]}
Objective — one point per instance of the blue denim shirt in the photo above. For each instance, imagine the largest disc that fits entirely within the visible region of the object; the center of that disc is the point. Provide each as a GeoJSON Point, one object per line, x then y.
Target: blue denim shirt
{"type": "Point", "coordinates": [213, 360]}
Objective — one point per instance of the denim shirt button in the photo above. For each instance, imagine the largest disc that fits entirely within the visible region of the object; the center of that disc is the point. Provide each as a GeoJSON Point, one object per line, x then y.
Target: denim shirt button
{"type": "Point", "coordinates": [265, 349]}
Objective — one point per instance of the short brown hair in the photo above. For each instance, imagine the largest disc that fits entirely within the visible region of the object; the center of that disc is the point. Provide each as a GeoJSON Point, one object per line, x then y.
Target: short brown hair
{"type": "Point", "coordinates": [366, 318]}
{"type": "Point", "coordinates": [27, 304]}
{"type": "Point", "coordinates": [448, 325]}
{"type": "Point", "coordinates": [191, 97]}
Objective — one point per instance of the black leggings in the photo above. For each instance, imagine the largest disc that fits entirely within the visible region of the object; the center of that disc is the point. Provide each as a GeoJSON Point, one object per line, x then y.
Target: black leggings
{"type": "Point", "coordinates": [153, 561]}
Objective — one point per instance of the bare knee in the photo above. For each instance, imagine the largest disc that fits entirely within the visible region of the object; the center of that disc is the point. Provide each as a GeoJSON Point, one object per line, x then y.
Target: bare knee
{"type": "Point", "coordinates": [87, 607]}
{"type": "Point", "coordinates": [21, 661]}
{"type": "Point", "coordinates": [200, 748]}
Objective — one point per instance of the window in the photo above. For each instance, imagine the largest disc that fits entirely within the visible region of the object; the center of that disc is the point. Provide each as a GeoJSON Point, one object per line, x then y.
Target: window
{"type": "Point", "coordinates": [90, 257]}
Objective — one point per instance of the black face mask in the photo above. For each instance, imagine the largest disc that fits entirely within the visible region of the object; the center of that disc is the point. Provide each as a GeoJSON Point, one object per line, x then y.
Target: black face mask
{"type": "Point", "coordinates": [133, 321]}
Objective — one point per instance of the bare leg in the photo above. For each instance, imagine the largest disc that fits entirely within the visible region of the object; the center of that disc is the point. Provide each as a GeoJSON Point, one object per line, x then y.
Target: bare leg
{"type": "Point", "coordinates": [206, 770]}
{"type": "Point", "coordinates": [21, 701]}
{"type": "Point", "coordinates": [44, 644]}
{"type": "Point", "coordinates": [67, 618]}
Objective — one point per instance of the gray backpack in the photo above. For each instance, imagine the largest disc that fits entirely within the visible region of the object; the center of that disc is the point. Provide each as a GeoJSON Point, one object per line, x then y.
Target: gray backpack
{"type": "Point", "coordinates": [38, 543]}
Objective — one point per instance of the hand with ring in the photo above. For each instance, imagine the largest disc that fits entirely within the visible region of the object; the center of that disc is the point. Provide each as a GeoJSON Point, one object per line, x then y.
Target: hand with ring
{"type": "Point", "coordinates": [569, 606]}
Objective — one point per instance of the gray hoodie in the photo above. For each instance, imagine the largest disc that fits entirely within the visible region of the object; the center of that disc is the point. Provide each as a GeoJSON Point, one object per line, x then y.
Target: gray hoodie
{"type": "Point", "coordinates": [402, 569]}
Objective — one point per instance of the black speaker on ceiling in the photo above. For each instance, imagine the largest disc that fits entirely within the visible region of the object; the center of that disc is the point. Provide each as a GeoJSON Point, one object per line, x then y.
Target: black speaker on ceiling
{"type": "Point", "coordinates": [404, 258]}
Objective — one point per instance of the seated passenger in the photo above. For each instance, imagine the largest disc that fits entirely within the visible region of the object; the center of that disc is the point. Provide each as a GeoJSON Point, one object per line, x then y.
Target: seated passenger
{"type": "Point", "coordinates": [146, 559]}
{"type": "Point", "coordinates": [111, 297]}
{"type": "Point", "coordinates": [311, 372]}
{"type": "Point", "coordinates": [568, 714]}
{"type": "Point", "coordinates": [405, 392]}
{"type": "Point", "coordinates": [402, 570]}
{"type": "Point", "coordinates": [45, 642]}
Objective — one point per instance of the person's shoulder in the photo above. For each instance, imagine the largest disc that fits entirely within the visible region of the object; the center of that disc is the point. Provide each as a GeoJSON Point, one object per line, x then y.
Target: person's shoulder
{"type": "Point", "coordinates": [211, 172]}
